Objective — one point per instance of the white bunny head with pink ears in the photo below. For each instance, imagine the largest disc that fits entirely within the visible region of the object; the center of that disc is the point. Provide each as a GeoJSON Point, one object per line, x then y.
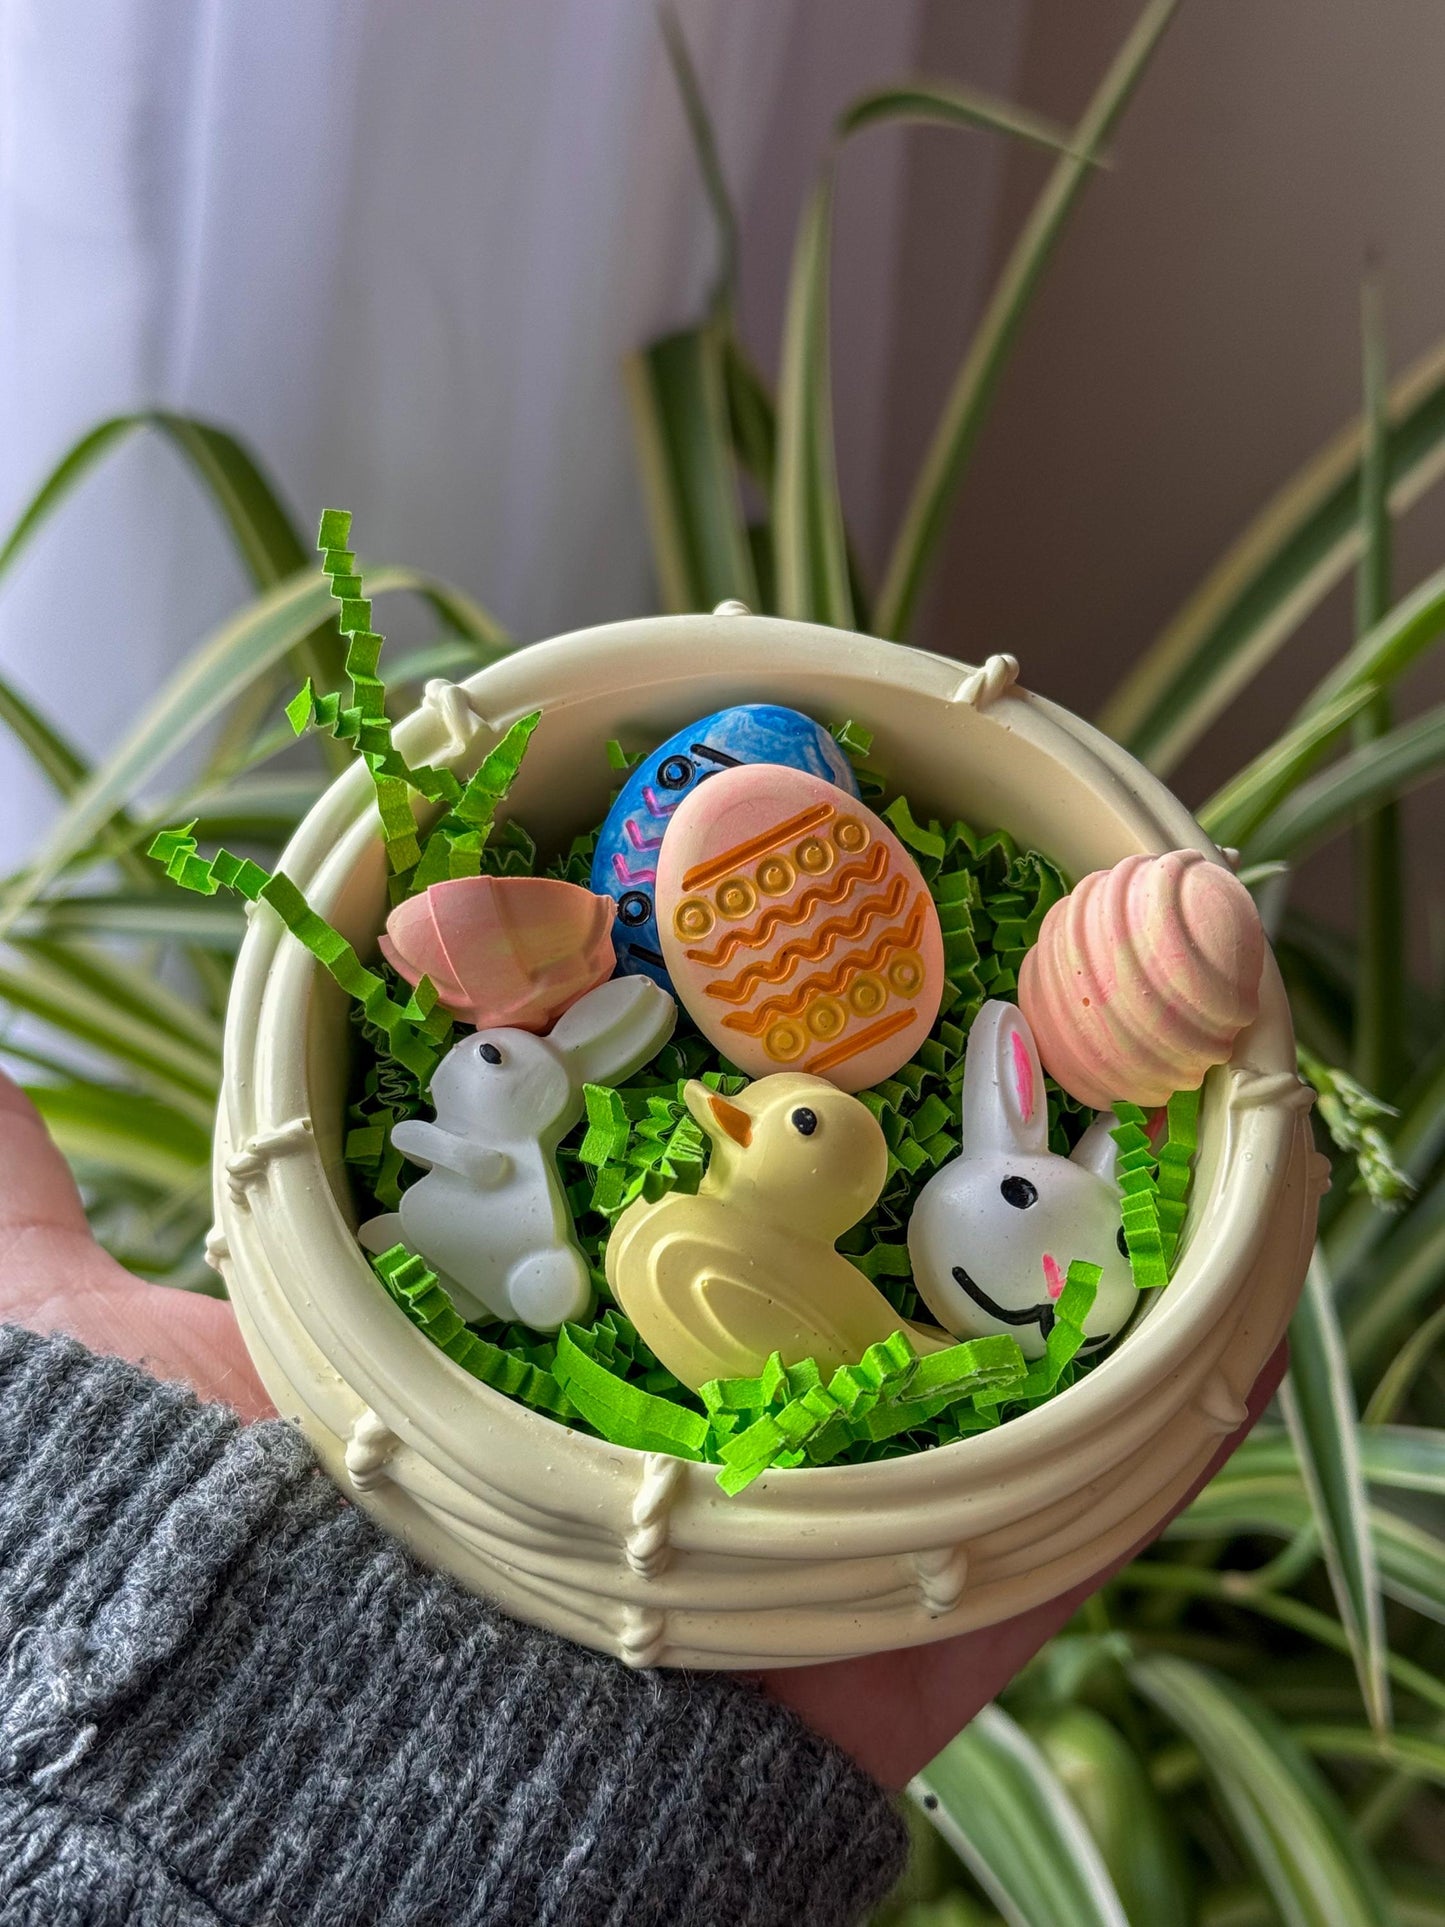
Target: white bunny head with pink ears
{"type": "Point", "coordinates": [993, 1234]}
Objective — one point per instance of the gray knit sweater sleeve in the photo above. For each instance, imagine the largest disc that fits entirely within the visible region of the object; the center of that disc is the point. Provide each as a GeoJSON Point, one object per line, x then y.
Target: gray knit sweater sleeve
{"type": "Point", "coordinates": [225, 1696]}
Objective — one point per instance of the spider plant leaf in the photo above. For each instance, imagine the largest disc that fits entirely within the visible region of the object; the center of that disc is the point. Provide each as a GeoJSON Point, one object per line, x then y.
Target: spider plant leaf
{"type": "Point", "coordinates": [1001, 1807]}
{"type": "Point", "coordinates": [260, 527]}
{"type": "Point", "coordinates": [1394, 1384]}
{"type": "Point", "coordinates": [1409, 1558]}
{"type": "Point", "coordinates": [753, 416]}
{"type": "Point", "coordinates": [1110, 1786]}
{"type": "Point", "coordinates": [705, 151]}
{"type": "Point", "coordinates": [1287, 1819]}
{"type": "Point", "coordinates": [1236, 810]}
{"type": "Point", "coordinates": [127, 1133]}
{"type": "Point", "coordinates": [1420, 1754]}
{"type": "Point", "coordinates": [926, 515]}
{"type": "Point", "coordinates": [168, 1065]}
{"type": "Point", "coordinates": [67, 771]}
{"type": "Point", "coordinates": [224, 666]}
{"type": "Point", "coordinates": [209, 923]}
{"type": "Point", "coordinates": [1417, 1143]}
{"type": "Point", "coordinates": [252, 809]}
{"type": "Point", "coordinates": [1387, 649]}
{"type": "Point", "coordinates": [944, 103]}
{"type": "Point", "coordinates": [1319, 1408]}
{"type": "Point", "coordinates": [1411, 754]}
{"type": "Point", "coordinates": [1282, 567]}
{"type": "Point", "coordinates": [811, 548]}
{"type": "Point", "coordinates": [1398, 1284]}
{"type": "Point", "coordinates": [678, 394]}
{"type": "Point", "coordinates": [1402, 1458]}
{"type": "Point", "coordinates": [1379, 1053]}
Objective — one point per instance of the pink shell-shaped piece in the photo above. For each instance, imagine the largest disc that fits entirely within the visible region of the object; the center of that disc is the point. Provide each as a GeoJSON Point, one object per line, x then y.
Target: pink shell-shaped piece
{"type": "Point", "coordinates": [1142, 978]}
{"type": "Point", "coordinates": [504, 952]}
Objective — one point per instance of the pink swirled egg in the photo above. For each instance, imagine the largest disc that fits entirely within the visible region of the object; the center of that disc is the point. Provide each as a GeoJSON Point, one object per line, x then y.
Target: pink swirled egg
{"type": "Point", "coordinates": [1142, 978]}
{"type": "Point", "coordinates": [503, 951]}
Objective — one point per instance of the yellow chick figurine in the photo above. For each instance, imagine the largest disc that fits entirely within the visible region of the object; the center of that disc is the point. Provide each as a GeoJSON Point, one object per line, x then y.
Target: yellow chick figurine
{"type": "Point", "coordinates": [718, 1282]}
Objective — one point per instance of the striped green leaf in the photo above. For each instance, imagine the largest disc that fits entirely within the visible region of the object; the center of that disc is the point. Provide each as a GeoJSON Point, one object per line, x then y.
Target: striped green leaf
{"type": "Point", "coordinates": [136, 1137]}
{"type": "Point", "coordinates": [1395, 1382]}
{"type": "Point", "coordinates": [944, 103]}
{"type": "Point", "coordinates": [1410, 1560]}
{"type": "Point", "coordinates": [242, 649]}
{"type": "Point", "coordinates": [810, 545]}
{"type": "Point", "coordinates": [250, 506]}
{"type": "Point", "coordinates": [1236, 810]}
{"type": "Point", "coordinates": [1302, 544]}
{"type": "Point", "coordinates": [213, 923]}
{"type": "Point", "coordinates": [1420, 1754]}
{"type": "Point", "coordinates": [186, 1076]}
{"type": "Point", "coordinates": [1319, 1409]}
{"type": "Point", "coordinates": [976, 381]}
{"type": "Point", "coordinates": [1386, 650]}
{"type": "Point", "coordinates": [1379, 1053]}
{"type": "Point", "coordinates": [1418, 1141]}
{"type": "Point", "coordinates": [1398, 1285]}
{"type": "Point", "coordinates": [682, 431]}
{"type": "Point", "coordinates": [1401, 1458]}
{"type": "Point", "coordinates": [1284, 1814]}
{"type": "Point", "coordinates": [705, 149]}
{"type": "Point", "coordinates": [1110, 1786]}
{"type": "Point", "coordinates": [1411, 754]}
{"type": "Point", "coordinates": [1001, 1807]}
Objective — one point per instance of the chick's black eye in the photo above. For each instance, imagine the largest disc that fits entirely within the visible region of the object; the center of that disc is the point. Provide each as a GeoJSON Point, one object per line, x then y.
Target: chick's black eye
{"type": "Point", "coordinates": [491, 1054]}
{"type": "Point", "coordinates": [675, 773]}
{"type": "Point", "coordinates": [805, 1122]}
{"type": "Point", "coordinates": [1019, 1193]}
{"type": "Point", "coordinates": [633, 908]}
{"type": "Point", "coordinates": [1122, 1243]}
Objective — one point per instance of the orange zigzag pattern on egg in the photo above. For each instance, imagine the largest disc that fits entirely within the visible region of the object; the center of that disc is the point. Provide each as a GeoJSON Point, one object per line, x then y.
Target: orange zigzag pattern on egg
{"type": "Point", "coordinates": [903, 936]}
{"type": "Point", "coordinates": [796, 912]}
{"type": "Point", "coordinates": [823, 941]}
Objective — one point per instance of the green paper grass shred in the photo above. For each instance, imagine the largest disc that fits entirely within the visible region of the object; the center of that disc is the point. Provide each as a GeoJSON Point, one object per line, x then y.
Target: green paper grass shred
{"type": "Point", "coordinates": [416, 1032]}
{"type": "Point", "coordinates": [640, 1141]}
{"type": "Point", "coordinates": [1154, 1185]}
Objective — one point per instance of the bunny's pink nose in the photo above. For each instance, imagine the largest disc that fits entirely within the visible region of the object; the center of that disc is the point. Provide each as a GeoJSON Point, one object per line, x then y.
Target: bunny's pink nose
{"type": "Point", "coordinates": [1053, 1277]}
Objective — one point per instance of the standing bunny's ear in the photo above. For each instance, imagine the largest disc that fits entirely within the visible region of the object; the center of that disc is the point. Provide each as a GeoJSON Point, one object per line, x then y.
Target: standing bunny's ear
{"type": "Point", "coordinates": [613, 1030]}
{"type": "Point", "coordinates": [1005, 1107]}
{"type": "Point", "coordinates": [1096, 1150]}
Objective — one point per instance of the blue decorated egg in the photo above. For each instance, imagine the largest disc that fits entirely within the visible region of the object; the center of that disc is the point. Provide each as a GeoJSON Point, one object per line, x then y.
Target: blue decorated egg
{"type": "Point", "coordinates": [624, 865]}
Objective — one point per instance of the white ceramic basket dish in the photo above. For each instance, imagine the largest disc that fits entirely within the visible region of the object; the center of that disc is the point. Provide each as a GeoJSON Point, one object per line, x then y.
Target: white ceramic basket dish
{"type": "Point", "coordinates": [639, 1554]}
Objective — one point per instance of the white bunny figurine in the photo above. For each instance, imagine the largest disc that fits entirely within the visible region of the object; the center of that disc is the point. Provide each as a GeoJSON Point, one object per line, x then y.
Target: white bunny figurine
{"type": "Point", "coordinates": [993, 1234]}
{"type": "Point", "coordinates": [490, 1215]}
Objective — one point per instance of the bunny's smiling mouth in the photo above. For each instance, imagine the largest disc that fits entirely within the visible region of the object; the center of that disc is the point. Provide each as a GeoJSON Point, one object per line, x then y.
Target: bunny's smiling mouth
{"type": "Point", "coordinates": [1043, 1315]}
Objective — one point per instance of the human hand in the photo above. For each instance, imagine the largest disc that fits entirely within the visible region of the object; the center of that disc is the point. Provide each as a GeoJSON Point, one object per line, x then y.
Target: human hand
{"type": "Point", "coordinates": [54, 1277]}
{"type": "Point", "coordinates": [892, 1711]}
{"type": "Point", "coordinates": [895, 1711]}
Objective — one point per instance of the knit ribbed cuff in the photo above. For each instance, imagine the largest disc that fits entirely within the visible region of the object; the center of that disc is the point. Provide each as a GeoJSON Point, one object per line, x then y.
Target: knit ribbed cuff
{"type": "Point", "coordinates": [224, 1694]}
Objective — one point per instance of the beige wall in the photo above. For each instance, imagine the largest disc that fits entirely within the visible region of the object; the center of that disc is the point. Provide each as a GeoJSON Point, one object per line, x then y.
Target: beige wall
{"type": "Point", "coordinates": [1197, 337]}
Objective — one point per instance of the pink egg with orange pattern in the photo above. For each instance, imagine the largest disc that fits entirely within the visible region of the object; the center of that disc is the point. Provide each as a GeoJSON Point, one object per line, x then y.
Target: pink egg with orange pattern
{"type": "Point", "coordinates": [797, 930]}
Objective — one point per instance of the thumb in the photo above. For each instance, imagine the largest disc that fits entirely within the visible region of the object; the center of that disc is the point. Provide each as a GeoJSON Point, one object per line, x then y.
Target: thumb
{"type": "Point", "coordinates": [54, 1277]}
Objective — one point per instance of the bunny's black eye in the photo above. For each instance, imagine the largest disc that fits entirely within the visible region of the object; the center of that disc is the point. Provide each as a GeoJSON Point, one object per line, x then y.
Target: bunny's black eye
{"type": "Point", "coordinates": [491, 1054]}
{"type": "Point", "coordinates": [1122, 1243]}
{"type": "Point", "coordinates": [675, 773]}
{"type": "Point", "coordinates": [1019, 1193]}
{"type": "Point", "coordinates": [805, 1122]}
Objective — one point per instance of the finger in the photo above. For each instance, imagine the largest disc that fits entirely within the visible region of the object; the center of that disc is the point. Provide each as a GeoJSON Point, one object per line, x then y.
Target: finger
{"type": "Point", "coordinates": [36, 1187]}
{"type": "Point", "coordinates": [54, 1277]}
{"type": "Point", "coordinates": [895, 1711]}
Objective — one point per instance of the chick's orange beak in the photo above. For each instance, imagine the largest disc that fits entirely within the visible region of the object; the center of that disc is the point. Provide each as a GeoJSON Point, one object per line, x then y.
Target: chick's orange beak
{"type": "Point", "coordinates": [715, 1114]}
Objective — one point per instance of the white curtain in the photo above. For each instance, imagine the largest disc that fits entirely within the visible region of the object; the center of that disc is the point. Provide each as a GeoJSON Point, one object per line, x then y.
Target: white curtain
{"type": "Point", "coordinates": [401, 249]}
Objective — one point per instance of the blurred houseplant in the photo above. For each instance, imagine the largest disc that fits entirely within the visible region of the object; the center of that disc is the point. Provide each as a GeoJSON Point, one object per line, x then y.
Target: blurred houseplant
{"type": "Point", "coordinates": [1249, 1724]}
